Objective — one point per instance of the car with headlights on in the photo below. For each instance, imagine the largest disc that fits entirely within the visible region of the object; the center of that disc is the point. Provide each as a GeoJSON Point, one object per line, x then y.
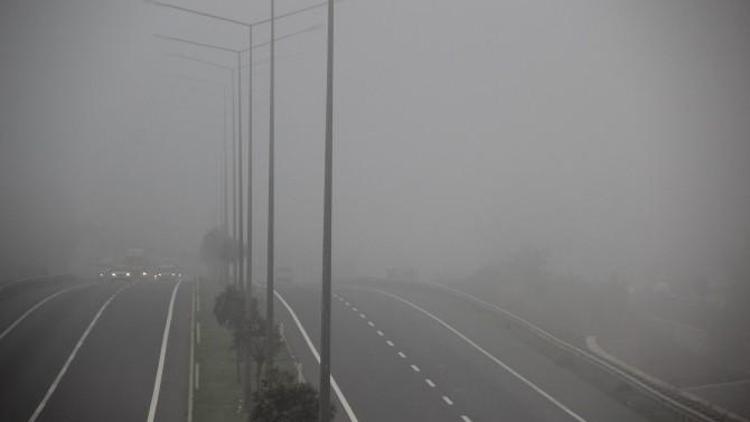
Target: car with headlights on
{"type": "Point", "coordinates": [168, 273]}
{"type": "Point", "coordinates": [121, 272]}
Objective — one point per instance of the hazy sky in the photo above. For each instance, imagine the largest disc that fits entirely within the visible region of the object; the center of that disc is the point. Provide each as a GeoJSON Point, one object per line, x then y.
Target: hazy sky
{"type": "Point", "coordinates": [615, 134]}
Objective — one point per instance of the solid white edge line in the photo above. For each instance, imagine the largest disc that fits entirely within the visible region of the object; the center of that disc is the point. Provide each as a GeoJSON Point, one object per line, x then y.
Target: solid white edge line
{"type": "Point", "coordinates": [334, 384]}
{"type": "Point", "coordinates": [191, 374]}
{"type": "Point", "coordinates": [37, 306]}
{"type": "Point", "coordinates": [162, 355]}
{"type": "Point", "coordinates": [487, 354]}
{"type": "Point", "coordinates": [198, 332]}
{"type": "Point", "coordinates": [51, 390]}
{"type": "Point", "coordinates": [578, 351]}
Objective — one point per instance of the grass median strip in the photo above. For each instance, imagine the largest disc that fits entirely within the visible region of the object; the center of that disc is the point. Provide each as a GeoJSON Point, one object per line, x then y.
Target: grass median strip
{"type": "Point", "coordinates": [220, 391]}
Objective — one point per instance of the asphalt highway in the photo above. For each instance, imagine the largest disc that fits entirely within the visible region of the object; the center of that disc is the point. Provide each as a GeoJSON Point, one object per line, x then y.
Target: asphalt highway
{"type": "Point", "coordinates": [81, 350]}
{"type": "Point", "coordinates": [411, 353]}
{"type": "Point", "coordinates": [78, 350]}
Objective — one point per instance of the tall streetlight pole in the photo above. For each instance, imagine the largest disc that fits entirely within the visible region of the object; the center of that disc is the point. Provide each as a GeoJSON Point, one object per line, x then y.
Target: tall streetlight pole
{"type": "Point", "coordinates": [240, 204]}
{"type": "Point", "coordinates": [234, 173]}
{"type": "Point", "coordinates": [249, 256]}
{"type": "Point", "coordinates": [324, 411]}
{"type": "Point", "coordinates": [271, 193]}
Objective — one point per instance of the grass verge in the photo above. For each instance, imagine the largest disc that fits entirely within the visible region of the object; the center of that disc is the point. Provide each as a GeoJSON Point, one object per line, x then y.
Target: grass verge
{"type": "Point", "coordinates": [219, 391]}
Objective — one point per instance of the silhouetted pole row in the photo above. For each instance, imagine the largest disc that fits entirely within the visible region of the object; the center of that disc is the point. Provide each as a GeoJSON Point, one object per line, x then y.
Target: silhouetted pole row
{"type": "Point", "coordinates": [325, 343]}
{"type": "Point", "coordinates": [239, 205]}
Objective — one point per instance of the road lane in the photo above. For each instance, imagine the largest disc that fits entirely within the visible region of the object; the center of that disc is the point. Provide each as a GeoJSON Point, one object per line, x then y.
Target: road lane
{"type": "Point", "coordinates": [379, 385]}
{"type": "Point", "coordinates": [489, 388]}
{"type": "Point", "coordinates": [112, 378]}
{"type": "Point", "coordinates": [32, 354]}
{"type": "Point", "coordinates": [22, 296]}
{"type": "Point", "coordinates": [173, 400]}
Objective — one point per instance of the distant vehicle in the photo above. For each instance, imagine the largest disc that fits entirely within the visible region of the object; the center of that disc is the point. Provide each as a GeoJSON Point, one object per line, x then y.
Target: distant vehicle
{"type": "Point", "coordinates": [168, 273]}
{"type": "Point", "coordinates": [102, 274]}
{"type": "Point", "coordinates": [138, 263]}
{"type": "Point", "coordinates": [121, 272]}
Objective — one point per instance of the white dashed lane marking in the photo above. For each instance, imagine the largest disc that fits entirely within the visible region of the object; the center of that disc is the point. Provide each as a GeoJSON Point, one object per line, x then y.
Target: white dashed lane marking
{"type": "Point", "coordinates": [447, 400]}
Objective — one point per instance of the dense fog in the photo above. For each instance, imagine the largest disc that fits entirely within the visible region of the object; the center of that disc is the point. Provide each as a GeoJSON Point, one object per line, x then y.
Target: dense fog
{"type": "Point", "coordinates": [612, 135]}
{"type": "Point", "coordinates": [582, 163]}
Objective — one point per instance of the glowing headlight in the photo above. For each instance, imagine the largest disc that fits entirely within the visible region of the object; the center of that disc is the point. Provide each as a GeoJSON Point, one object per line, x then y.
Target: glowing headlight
{"type": "Point", "coordinates": [113, 274]}
{"type": "Point", "coordinates": [127, 274]}
{"type": "Point", "coordinates": [144, 274]}
{"type": "Point", "coordinates": [174, 275]}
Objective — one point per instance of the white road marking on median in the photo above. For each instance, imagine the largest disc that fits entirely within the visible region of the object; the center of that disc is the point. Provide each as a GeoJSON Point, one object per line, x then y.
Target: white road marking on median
{"type": "Point", "coordinates": [198, 332]}
{"type": "Point", "coordinates": [465, 418]}
{"type": "Point", "coordinates": [380, 333]}
{"type": "Point", "coordinates": [163, 354]}
{"type": "Point", "coordinates": [191, 374]}
{"type": "Point", "coordinates": [488, 355]}
{"type": "Point", "coordinates": [371, 324]}
{"type": "Point", "coordinates": [401, 355]}
{"type": "Point", "coordinates": [197, 376]}
{"type": "Point", "coordinates": [363, 316]}
{"type": "Point", "coordinates": [429, 382]}
{"type": "Point", "coordinates": [64, 369]}
{"type": "Point", "coordinates": [388, 342]}
{"type": "Point", "coordinates": [314, 351]}
{"type": "Point", "coordinates": [197, 303]}
{"type": "Point", "coordinates": [37, 306]}
{"type": "Point", "coordinates": [347, 304]}
{"type": "Point", "coordinates": [448, 400]}
{"type": "Point", "coordinates": [355, 309]}
{"type": "Point", "coordinates": [415, 368]}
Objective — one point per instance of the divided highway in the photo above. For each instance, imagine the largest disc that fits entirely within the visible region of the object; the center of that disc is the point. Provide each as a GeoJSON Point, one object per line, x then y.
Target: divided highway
{"type": "Point", "coordinates": [89, 351]}
{"type": "Point", "coordinates": [93, 351]}
{"type": "Point", "coordinates": [408, 353]}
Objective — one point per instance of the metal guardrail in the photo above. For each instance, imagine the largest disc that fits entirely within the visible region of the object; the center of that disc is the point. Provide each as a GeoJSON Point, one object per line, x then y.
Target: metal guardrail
{"type": "Point", "coordinates": [687, 407]}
